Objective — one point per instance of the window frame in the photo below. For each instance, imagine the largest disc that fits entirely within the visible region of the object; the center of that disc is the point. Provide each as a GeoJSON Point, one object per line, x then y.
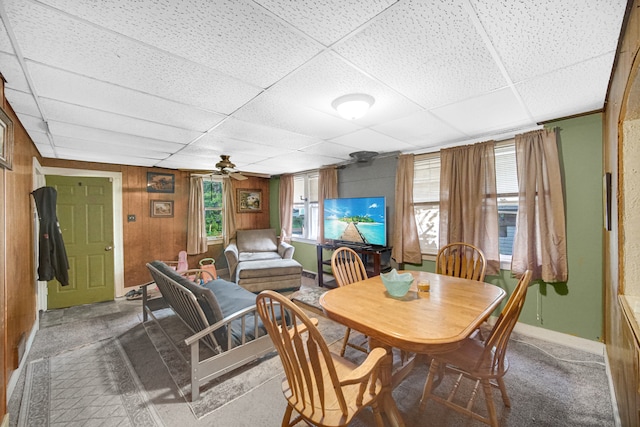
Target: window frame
{"type": "Point", "coordinates": [212, 240]}
{"type": "Point", "coordinates": [308, 205]}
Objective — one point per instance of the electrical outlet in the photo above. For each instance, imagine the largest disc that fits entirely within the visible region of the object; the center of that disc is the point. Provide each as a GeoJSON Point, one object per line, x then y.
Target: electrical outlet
{"type": "Point", "coordinates": [131, 218]}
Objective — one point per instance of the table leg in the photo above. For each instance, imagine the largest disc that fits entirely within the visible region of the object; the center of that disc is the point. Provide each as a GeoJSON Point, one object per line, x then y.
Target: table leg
{"type": "Point", "coordinates": [387, 405]}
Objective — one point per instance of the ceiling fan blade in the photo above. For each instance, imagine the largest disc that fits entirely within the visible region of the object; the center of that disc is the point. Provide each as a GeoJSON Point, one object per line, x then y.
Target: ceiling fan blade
{"type": "Point", "coordinates": [238, 176]}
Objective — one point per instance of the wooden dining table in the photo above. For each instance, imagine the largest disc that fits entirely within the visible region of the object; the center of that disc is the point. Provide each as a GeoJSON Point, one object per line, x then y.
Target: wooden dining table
{"type": "Point", "coordinates": [420, 322]}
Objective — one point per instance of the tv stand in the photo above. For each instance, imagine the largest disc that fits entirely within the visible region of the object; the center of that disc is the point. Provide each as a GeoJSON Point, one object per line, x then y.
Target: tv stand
{"type": "Point", "coordinates": [375, 258]}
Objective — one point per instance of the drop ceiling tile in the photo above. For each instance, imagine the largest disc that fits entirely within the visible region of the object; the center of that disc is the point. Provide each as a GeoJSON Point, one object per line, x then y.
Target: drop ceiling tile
{"type": "Point", "coordinates": [82, 116]}
{"type": "Point", "coordinates": [109, 149]}
{"type": "Point", "coordinates": [327, 20]}
{"type": "Point", "coordinates": [319, 82]}
{"type": "Point", "coordinates": [367, 139]}
{"type": "Point", "coordinates": [572, 90]}
{"type": "Point", "coordinates": [5, 41]}
{"type": "Point", "coordinates": [60, 41]}
{"type": "Point", "coordinates": [274, 111]}
{"type": "Point", "coordinates": [420, 129]}
{"type": "Point", "coordinates": [117, 159]}
{"type": "Point", "coordinates": [549, 34]}
{"type": "Point", "coordinates": [12, 73]}
{"type": "Point", "coordinates": [214, 33]}
{"type": "Point", "coordinates": [39, 138]}
{"type": "Point", "coordinates": [475, 117]}
{"type": "Point", "coordinates": [330, 149]}
{"type": "Point", "coordinates": [428, 50]}
{"type": "Point", "coordinates": [121, 140]}
{"type": "Point", "coordinates": [244, 151]}
{"type": "Point", "coordinates": [80, 90]}
{"type": "Point", "coordinates": [22, 102]}
{"type": "Point", "coordinates": [33, 123]}
{"type": "Point", "coordinates": [294, 162]}
{"type": "Point", "coordinates": [262, 135]}
{"type": "Point", "coordinates": [45, 150]}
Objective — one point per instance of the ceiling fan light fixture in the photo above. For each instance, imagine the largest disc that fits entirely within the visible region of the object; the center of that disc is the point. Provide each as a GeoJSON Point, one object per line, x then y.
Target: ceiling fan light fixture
{"type": "Point", "coordinates": [353, 106]}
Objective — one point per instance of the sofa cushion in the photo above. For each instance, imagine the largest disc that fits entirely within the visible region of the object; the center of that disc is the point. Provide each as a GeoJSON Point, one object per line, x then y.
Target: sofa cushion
{"type": "Point", "coordinates": [257, 240]}
{"type": "Point", "coordinates": [257, 256]}
{"type": "Point", "coordinates": [266, 268]}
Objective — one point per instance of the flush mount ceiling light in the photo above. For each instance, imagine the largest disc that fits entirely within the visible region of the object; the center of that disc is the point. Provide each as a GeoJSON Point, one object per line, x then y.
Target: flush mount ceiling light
{"type": "Point", "coordinates": [353, 106]}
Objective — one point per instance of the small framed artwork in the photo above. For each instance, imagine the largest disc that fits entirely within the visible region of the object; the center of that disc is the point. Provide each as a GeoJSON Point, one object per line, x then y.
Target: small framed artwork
{"type": "Point", "coordinates": [161, 182]}
{"type": "Point", "coordinates": [249, 201]}
{"type": "Point", "coordinates": [6, 140]}
{"type": "Point", "coordinates": [162, 208]}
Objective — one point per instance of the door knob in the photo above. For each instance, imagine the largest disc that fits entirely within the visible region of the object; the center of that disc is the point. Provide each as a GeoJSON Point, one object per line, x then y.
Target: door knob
{"type": "Point", "coordinates": [108, 248]}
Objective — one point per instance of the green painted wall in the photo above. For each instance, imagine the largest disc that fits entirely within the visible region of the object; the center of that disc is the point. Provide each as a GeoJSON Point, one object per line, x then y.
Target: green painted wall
{"type": "Point", "coordinates": [577, 307]}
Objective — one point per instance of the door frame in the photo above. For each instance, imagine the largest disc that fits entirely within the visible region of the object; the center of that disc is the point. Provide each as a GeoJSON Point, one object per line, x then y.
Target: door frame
{"type": "Point", "coordinates": [118, 239]}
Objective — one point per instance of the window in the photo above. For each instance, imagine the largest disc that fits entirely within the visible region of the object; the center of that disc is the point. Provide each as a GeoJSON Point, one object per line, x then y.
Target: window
{"type": "Point", "coordinates": [305, 206]}
{"type": "Point", "coordinates": [426, 198]}
{"type": "Point", "coordinates": [213, 207]}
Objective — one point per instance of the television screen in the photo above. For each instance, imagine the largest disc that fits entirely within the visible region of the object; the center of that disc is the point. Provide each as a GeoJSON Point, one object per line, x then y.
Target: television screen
{"type": "Point", "coordinates": [359, 220]}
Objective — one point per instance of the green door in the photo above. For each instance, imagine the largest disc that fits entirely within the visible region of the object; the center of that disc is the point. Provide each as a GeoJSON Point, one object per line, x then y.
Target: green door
{"type": "Point", "coordinates": [85, 214]}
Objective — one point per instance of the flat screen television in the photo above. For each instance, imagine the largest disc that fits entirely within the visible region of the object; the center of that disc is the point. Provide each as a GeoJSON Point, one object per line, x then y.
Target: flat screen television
{"type": "Point", "coordinates": [360, 221]}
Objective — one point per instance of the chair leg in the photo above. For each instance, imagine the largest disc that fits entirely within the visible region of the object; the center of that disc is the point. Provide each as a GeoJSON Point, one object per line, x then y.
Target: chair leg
{"type": "Point", "coordinates": [428, 386]}
{"type": "Point", "coordinates": [488, 397]}
{"type": "Point", "coordinates": [345, 341]}
{"type": "Point", "coordinates": [286, 420]}
{"type": "Point", "coordinates": [377, 416]}
{"type": "Point", "coordinates": [503, 391]}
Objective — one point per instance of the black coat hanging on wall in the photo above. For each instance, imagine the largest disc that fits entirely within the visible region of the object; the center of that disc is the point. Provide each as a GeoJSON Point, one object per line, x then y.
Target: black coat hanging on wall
{"type": "Point", "coordinates": [53, 262]}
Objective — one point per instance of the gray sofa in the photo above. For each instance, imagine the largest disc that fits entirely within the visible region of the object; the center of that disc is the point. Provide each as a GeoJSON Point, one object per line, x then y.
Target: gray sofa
{"type": "Point", "coordinates": [257, 261]}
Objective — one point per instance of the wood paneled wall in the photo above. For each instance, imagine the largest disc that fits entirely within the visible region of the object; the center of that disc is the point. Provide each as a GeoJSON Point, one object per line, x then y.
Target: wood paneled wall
{"type": "Point", "coordinates": [619, 339]}
{"type": "Point", "coordinates": [18, 294]}
{"type": "Point", "coordinates": [252, 221]}
{"type": "Point", "coordinates": [149, 239]}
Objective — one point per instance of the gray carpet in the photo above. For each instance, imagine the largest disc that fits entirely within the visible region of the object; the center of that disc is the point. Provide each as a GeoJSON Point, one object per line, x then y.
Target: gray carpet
{"type": "Point", "coordinates": [549, 385]}
{"type": "Point", "coordinates": [544, 390]}
{"type": "Point", "coordinates": [93, 385]}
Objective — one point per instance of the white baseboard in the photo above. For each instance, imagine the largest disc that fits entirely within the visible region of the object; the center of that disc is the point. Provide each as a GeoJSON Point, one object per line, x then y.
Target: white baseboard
{"type": "Point", "coordinates": [5, 421]}
{"type": "Point", "coordinates": [578, 343]}
{"type": "Point", "coordinates": [15, 375]}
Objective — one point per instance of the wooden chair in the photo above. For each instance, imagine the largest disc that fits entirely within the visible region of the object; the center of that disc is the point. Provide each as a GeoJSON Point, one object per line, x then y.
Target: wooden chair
{"type": "Point", "coordinates": [461, 260]}
{"type": "Point", "coordinates": [323, 388]}
{"type": "Point", "coordinates": [482, 362]}
{"type": "Point", "coordinates": [347, 267]}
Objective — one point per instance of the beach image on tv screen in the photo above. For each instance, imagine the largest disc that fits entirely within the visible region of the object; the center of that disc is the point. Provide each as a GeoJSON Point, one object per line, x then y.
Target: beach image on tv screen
{"type": "Point", "coordinates": [359, 220]}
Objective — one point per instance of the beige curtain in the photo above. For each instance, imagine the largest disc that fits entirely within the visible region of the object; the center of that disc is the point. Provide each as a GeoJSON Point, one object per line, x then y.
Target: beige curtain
{"type": "Point", "coordinates": [286, 207]}
{"type": "Point", "coordinates": [327, 189]}
{"type": "Point", "coordinates": [229, 215]}
{"type": "Point", "coordinates": [406, 246]}
{"type": "Point", "coordinates": [540, 243]}
{"type": "Point", "coordinates": [196, 228]}
{"type": "Point", "coordinates": [468, 200]}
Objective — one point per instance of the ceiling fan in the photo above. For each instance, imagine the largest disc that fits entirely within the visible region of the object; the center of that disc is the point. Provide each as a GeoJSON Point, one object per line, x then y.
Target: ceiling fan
{"type": "Point", "coordinates": [225, 167]}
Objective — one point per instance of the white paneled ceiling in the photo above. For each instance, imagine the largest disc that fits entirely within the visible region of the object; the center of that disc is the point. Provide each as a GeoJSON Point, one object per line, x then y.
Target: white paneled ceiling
{"type": "Point", "coordinates": [177, 83]}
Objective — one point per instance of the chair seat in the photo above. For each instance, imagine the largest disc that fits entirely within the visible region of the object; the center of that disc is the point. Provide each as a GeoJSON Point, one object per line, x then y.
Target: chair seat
{"type": "Point", "coordinates": [469, 358]}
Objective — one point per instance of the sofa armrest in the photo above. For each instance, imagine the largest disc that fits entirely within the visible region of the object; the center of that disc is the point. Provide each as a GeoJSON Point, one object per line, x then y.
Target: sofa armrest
{"type": "Point", "coordinates": [285, 250]}
{"type": "Point", "coordinates": [231, 254]}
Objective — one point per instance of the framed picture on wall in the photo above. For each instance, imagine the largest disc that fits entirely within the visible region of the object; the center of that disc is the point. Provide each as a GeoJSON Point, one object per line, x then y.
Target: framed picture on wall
{"type": "Point", "coordinates": [6, 140]}
{"type": "Point", "coordinates": [249, 201]}
{"type": "Point", "coordinates": [161, 182]}
{"type": "Point", "coordinates": [162, 208]}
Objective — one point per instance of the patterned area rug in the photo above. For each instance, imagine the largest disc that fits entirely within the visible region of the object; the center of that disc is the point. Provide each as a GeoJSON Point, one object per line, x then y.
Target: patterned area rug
{"type": "Point", "coordinates": [228, 387]}
{"type": "Point", "coordinates": [91, 385]}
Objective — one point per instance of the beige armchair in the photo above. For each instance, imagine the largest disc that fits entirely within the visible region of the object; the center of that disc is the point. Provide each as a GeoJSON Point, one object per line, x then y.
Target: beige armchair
{"type": "Point", "coordinates": [257, 261]}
